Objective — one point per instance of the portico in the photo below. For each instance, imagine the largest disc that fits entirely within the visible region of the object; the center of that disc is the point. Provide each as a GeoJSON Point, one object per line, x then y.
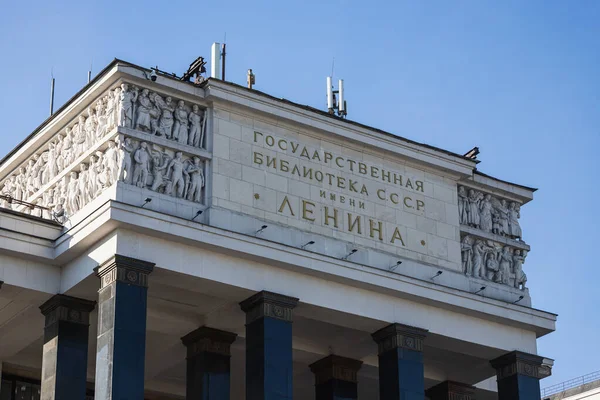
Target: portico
{"type": "Point", "coordinates": [255, 297]}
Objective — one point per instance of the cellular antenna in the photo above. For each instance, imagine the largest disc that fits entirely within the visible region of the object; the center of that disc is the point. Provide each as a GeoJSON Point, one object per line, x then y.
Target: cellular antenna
{"type": "Point", "coordinates": [90, 72]}
{"type": "Point", "coordinates": [52, 94]}
{"type": "Point", "coordinates": [336, 105]}
{"type": "Point", "coordinates": [215, 61]}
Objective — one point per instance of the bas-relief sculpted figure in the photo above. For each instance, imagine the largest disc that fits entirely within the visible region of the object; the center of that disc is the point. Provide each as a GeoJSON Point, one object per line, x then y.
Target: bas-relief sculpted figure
{"type": "Point", "coordinates": [142, 165]}
{"type": "Point", "coordinates": [463, 202]}
{"type": "Point", "coordinates": [165, 123]}
{"type": "Point", "coordinates": [514, 214]}
{"type": "Point", "coordinates": [473, 216]}
{"type": "Point", "coordinates": [196, 175]}
{"type": "Point", "coordinates": [196, 136]}
{"type": "Point", "coordinates": [144, 108]}
{"type": "Point", "coordinates": [492, 261]}
{"type": "Point", "coordinates": [180, 128]}
{"type": "Point", "coordinates": [485, 214]}
{"type": "Point", "coordinates": [124, 151]}
{"type": "Point", "coordinates": [160, 162]}
{"type": "Point", "coordinates": [177, 171]}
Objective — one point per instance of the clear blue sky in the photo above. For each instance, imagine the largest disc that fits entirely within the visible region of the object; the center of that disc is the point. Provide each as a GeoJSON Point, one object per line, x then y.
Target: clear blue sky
{"type": "Point", "coordinates": [519, 79]}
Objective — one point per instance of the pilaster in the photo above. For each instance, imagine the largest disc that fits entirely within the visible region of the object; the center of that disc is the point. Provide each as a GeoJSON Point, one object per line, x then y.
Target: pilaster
{"type": "Point", "coordinates": [269, 368]}
{"type": "Point", "coordinates": [65, 350]}
{"type": "Point", "coordinates": [519, 375]}
{"type": "Point", "coordinates": [122, 304]}
{"type": "Point", "coordinates": [336, 378]}
{"type": "Point", "coordinates": [401, 371]}
{"type": "Point", "coordinates": [450, 390]}
{"type": "Point", "coordinates": [208, 363]}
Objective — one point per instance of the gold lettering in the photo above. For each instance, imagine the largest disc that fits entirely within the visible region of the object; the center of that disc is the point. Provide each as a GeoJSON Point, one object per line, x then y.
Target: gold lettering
{"type": "Point", "coordinates": [352, 224]}
{"type": "Point", "coordinates": [379, 191]}
{"type": "Point", "coordinates": [351, 185]}
{"type": "Point", "coordinates": [351, 162]}
{"type": "Point", "coordinates": [419, 185]}
{"type": "Point", "coordinates": [420, 204]}
{"type": "Point", "coordinates": [256, 133]}
{"type": "Point", "coordinates": [406, 204]}
{"type": "Point", "coordinates": [364, 190]}
{"type": "Point", "coordinates": [337, 161]}
{"type": "Point", "coordinates": [305, 153]}
{"type": "Point", "coordinates": [394, 198]}
{"type": "Point", "coordinates": [330, 176]}
{"type": "Point", "coordinates": [322, 193]}
{"type": "Point", "coordinates": [284, 203]}
{"type": "Point", "coordinates": [397, 179]}
{"type": "Point", "coordinates": [334, 217]}
{"type": "Point", "coordinates": [372, 229]}
{"type": "Point", "coordinates": [328, 156]}
{"type": "Point", "coordinates": [316, 155]}
{"type": "Point", "coordinates": [332, 196]}
{"type": "Point", "coordinates": [307, 172]}
{"type": "Point", "coordinates": [352, 202]}
{"type": "Point", "coordinates": [319, 176]}
{"type": "Point", "coordinates": [361, 204]}
{"type": "Point", "coordinates": [284, 165]}
{"type": "Point", "coordinates": [396, 236]}
{"type": "Point", "coordinates": [258, 158]}
{"type": "Point", "coordinates": [342, 199]}
{"type": "Point", "coordinates": [296, 170]}
{"type": "Point", "coordinates": [385, 175]}
{"type": "Point", "coordinates": [294, 148]}
{"type": "Point", "coordinates": [409, 183]}
{"type": "Point", "coordinates": [341, 182]}
{"type": "Point", "coordinates": [375, 172]}
{"type": "Point", "coordinates": [306, 212]}
{"type": "Point", "coordinates": [272, 140]}
{"type": "Point", "coordinates": [362, 168]}
{"type": "Point", "coordinates": [280, 146]}
{"type": "Point", "coordinates": [271, 162]}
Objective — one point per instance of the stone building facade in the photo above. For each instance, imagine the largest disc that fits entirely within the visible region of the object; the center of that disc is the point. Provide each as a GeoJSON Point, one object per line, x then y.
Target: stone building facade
{"type": "Point", "coordinates": [163, 239]}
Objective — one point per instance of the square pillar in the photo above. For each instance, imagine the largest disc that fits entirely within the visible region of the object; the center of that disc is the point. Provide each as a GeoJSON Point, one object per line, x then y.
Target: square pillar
{"type": "Point", "coordinates": [269, 368]}
{"type": "Point", "coordinates": [449, 390]}
{"type": "Point", "coordinates": [65, 351]}
{"type": "Point", "coordinates": [336, 378]}
{"type": "Point", "coordinates": [208, 364]}
{"type": "Point", "coordinates": [519, 375]}
{"type": "Point", "coordinates": [122, 302]}
{"type": "Point", "coordinates": [401, 371]}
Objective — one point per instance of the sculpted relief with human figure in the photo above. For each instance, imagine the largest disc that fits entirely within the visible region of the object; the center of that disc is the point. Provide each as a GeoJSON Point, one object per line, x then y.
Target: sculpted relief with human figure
{"type": "Point", "coordinates": [135, 162]}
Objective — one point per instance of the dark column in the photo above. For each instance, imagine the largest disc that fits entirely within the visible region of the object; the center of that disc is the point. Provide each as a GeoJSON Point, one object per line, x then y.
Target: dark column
{"type": "Point", "coordinates": [122, 301]}
{"type": "Point", "coordinates": [65, 351]}
{"type": "Point", "coordinates": [401, 372]}
{"type": "Point", "coordinates": [208, 364]}
{"type": "Point", "coordinates": [519, 375]}
{"type": "Point", "coordinates": [449, 390]}
{"type": "Point", "coordinates": [336, 378]}
{"type": "Point", "coordinates": [269, 346]}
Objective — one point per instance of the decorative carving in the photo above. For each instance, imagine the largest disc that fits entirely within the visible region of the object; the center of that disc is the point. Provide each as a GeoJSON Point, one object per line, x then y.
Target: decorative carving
{"type": "Point", "coordinates": [268, 304]}
{"type": "Point", "coordinates": [209, 340]}
{"type": "Point", "coordinates": [493, 261]}
{"type": "Point", "coordinates": [398, 335]}
{"type": "Point", "coordinates": [488, 213]}
{"type": "Point", "coordinates": [124, 269]}
{"type": "Point", "coordinates": [519, 363]}
{"type": "Point", "coordinates": [127, 106]}
{"type": "Point", "coordinates": [335, 367]}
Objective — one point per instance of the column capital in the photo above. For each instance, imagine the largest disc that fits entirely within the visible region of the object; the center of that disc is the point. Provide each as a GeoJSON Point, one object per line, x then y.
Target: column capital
{"type": "Point", "coordinates": [399, 336]}
{"type": "Point", "coordinates": [450, 390]}
{"type": "Point", "coordinates": [124, 269]}
{"type": "Point", "coordinates": [210, 340]}
{"type": "Point", "coordinates": [519, 363]}
{"type": "Point", "coordinates": [61, 307]}
{"type": "Point", "coordinates": [268, 304]}
{"type": "Point", "coordinates": [335, 367]}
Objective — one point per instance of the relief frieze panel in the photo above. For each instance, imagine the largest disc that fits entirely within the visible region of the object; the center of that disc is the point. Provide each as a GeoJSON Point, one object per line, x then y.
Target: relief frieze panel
{"type": "Point", "coordinates": [163, 152]}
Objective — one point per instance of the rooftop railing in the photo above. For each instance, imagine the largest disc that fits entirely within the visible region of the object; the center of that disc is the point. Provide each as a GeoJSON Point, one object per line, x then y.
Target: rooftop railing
{"type": "Point", "coordinates": [570, 384]}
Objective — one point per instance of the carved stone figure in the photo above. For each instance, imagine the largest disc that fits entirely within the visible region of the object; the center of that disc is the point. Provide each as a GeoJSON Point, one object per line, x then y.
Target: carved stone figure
{"type": "Point", "coordinates": [463, 203]}
{"type": "Point", "coordinates": [127, 99]}
{"type": "Point", "coordinates": [485, 214]}
{"type": "Point", "coordinates": [144, 107]}
{"type": "Point", "coordinates": [473, 216]}
{"type": "Point", "coordinates": [492, 268]}
{"type": "Point", "coordinates": [51, 166]}
{"type": "Point", "coordinates": [196, 175]}
{"type": "Point", "coordinates": [93, 171]}
{"type": "Point", "coordinates": [142, 165]}
{"type": "Point", "coordinates": [125, 172]}
{"type": "Point", "coordinates": [503, 213]}
{"type": "Point", "coordinates": [195, 119]}
{"type": "Point", "coordinates": [466, 248]}
{"type": "Point", "coordinates": [90, 128]}
{"type": "Point", "coordinates": [479, 251]}
{"type": "Point", "coordinates": [180, 129]}
{"type": "Point", "coordinates": [160, 162]}
{"type": "Point", "coordinates": [100, 120]}
{"type": "Point", "coordinates": [67, 150]}
{"type": "Point", "coordinates": [520, 277]}
{"type": "Point", "coordinates": [111, 109]}
{"type": "Point", "coordinates": [513, 220]}
{"type": "Point", "coordinates": [80, 136]}
{"type": "Point", "coordinates": [84, 196]}
{"type": "Point", "coordinates": [111, 161]}
{"type": "Point", "coordinates": [176, 171]}
{"type": "Point", "coordinates": [165, 124]}
{"type": "Point", "coordinates": [73, 200]}
{"type": "Point", "coordinates": [505, 264]}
